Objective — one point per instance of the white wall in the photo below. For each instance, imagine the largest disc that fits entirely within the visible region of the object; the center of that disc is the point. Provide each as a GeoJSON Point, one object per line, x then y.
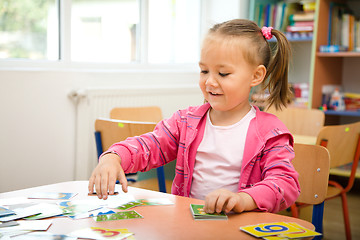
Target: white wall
{"type": "Point", "coordinates": [37, 124]}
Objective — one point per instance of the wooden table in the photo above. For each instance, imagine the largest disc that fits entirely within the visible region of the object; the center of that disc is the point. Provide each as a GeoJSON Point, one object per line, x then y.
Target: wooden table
{"type": "Point", "coordinates": [159, 222]}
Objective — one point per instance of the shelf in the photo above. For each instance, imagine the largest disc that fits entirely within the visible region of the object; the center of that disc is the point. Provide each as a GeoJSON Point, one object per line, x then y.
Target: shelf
{"type": "Point", "coordinates": [343, 113]}
{"type": "Point", "coordinates": [338, 54]}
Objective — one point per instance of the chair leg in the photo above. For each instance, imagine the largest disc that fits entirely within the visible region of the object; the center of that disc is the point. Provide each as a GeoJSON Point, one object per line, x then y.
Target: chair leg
{"type": "Point", "coordinates": [346, 215]}
{"type": "Point", "coordinates": [294, 210]}
{"type": "Point", "coordinates": [161, 179]}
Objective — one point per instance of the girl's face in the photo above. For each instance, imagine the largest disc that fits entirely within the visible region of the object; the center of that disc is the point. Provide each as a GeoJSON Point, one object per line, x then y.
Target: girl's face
{"type": "Point", "coordinates": [226, 77]}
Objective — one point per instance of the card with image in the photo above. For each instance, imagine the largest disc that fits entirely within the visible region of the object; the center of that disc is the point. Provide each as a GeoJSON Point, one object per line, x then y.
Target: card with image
{"type": "Point", "coordinates": [118, 216]}
{"type": "Point", "coordinates": [198, 213]}
{"type": "Point", "coordinates": [51, 195]}
{"type": "Point", "coordinates": [129, 205]}
{"type": "Point", "coordinates": [5, 212]}
{"type": "Point", "coordinates": [102, 233]}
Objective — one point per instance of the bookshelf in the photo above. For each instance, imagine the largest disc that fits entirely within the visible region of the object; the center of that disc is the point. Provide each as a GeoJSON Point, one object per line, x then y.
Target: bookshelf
{"type": "Point", "coordinates": [338, 68]}
{"type": "Point", "coordinates": [277, 13]}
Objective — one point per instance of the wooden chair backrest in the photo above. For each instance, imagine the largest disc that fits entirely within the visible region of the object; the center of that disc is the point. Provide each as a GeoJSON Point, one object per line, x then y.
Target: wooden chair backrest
{"type": "Point", "coordinates": [341, 141]}
{"type": "Point", "coordinates": [113, 130]}
{"type": "Point", "coordinates": [312, 162]}
{"type": "Point", "coordinates": [301, 121]}
{"type": "Point", "coordinates": [146, 114]}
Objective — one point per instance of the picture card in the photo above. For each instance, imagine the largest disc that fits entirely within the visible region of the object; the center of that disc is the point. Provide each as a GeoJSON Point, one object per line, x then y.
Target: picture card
{"type": "Point", "coordinates": [198, 213]}
{"type": "Point", "coordinates": [118, 216]}
{"type": "Point", "coordinates": [51, 195]}
{"type": "Point", "coordinates": [5, 212]}
{"type": "Point", "coordinates": [47, 210]}
{"type": "Point", "coordinates": [43, 236]}
{"type": "Point", "coordinates": [31, 225]}
{"type": "Point", "coordinates": [101, 233]}
{"type": "Point", "coordinates": [70, 209]}
{"type": "Point", "coordinates": [129, 205]}
{"type": "Point", "coordinates": [93, 213]}
{"type": "Point", "coordinates": [23, 212]}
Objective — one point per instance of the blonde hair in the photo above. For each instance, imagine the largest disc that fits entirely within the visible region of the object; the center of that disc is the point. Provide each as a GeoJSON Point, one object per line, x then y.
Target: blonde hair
{"type": "Point", "coordinates": [259, 52]}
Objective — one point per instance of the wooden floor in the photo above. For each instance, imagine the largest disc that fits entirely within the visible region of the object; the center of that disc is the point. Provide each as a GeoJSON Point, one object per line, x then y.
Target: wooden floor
{"type": "Point", "coordinates": [333, 216]}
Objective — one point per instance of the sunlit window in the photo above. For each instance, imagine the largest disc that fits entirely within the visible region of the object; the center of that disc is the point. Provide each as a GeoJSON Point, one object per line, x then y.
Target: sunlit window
{"type": "Point", "coordinates": [137, 32]}
{"type": "Point", "coordinates": [104, 30]}
{"type": "Point", "coordinates": [174, 31]}
{"type": "Point", "coordinates": [29, 29]}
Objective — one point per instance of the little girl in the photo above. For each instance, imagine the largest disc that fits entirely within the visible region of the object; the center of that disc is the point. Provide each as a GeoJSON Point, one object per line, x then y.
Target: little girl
{"type": "Point", "coordinates": [228, 152]}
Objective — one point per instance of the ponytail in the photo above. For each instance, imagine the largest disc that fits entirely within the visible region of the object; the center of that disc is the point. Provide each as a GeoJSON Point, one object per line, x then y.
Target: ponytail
{"type": "Point", "coordinates": [276, 78]}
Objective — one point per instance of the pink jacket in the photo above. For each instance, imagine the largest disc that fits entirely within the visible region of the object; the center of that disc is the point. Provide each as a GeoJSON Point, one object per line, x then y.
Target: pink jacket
{"type": "Point", "coordinates": [266, 173]}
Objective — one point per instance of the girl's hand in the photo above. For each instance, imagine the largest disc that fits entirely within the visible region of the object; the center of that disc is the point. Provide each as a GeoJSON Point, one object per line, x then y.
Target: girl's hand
{"type": "Point", "coordinates": [222, 200]}
{"type": "Point", "coordinates": [105, 175]}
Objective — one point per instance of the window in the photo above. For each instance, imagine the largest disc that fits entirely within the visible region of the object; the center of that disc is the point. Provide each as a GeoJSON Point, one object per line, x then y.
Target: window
{"type": "Point", "coordinates": [68, 32]}
{"type": "Point", "coordinates": [104, 30]}
{"type": "Point", "coordinates": [29, 29]}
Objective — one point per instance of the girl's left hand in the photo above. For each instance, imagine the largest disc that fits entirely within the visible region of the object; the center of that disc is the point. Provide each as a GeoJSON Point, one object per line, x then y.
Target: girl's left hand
{"type": "Point", "coordinates": [222, 200]}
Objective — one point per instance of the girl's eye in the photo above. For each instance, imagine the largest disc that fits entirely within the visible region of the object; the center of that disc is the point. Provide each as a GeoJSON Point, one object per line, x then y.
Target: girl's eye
{"type": "Point", "coordinates": [224, 74]}
{"type": "Point", "coordinates": [204, 72]}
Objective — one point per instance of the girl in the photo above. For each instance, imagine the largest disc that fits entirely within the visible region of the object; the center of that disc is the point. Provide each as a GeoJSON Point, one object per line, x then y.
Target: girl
{"type": "Point", "coordinates": [228, 152]}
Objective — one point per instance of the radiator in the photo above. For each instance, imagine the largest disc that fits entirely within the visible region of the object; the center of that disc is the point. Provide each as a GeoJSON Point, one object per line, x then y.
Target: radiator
{"type": "Point", "coordinates": [93, 103]}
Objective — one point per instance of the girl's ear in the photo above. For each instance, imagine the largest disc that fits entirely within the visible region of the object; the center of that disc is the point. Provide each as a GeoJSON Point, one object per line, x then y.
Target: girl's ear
{"type": "Point", "coordinates": [259, 75]}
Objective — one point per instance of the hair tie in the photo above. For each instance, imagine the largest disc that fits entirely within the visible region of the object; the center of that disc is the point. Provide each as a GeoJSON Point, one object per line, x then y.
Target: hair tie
{"type": "Point", "coordinates": [266, 32]}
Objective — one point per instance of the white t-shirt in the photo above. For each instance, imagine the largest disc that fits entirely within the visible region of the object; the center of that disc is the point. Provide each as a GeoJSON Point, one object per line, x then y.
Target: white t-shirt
{"type": "Point", "coordinates": [219, 157]}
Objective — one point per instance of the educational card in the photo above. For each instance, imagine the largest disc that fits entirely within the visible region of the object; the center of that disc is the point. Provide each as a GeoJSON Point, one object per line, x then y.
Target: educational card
{"type": "Point", "coordinates": [51, 195]}
{"type": "Point", "coordinates": [129, 205]}
{"type": "Point", "coordinates": [43, 236]}
{"type": "Point", "coordinates": [5, 212]}
{"type": "Point", "coordinates": [303, 232]}
{"type": "Point", "coordinates": [155, 201]}
{"type": "Point", "coordinates": [28, 225]}
{"type": "Point", "coordinates": [118, 216]}
{"type": "Point", "coordinates": [23, 212]}
{"type": "Point", "coordinates": [198, 213]}
{"type": "Point", "coordinates": [69, 209]}
{"type": "Point", "coordinates": [47, 210]}
{"type": "Point", "coordinates": [102, 233]}
{"type": "Point", "coordinates": [93, 213]}
{"type": "Point", "coordinates": [269, 229]}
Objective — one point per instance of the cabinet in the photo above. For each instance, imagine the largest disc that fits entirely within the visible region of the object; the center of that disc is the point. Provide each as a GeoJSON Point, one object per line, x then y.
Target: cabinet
{"type": "Point", "coordinates": [332, 68]}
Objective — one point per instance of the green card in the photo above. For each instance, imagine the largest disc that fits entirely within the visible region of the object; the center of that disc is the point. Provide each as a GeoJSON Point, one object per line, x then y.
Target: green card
{"type": "Point", "coordinates": [129, 205]}
{"type": "Point", "coordinates": [118, 216]}
{"type": "Point", "coordinates": [198, 213]}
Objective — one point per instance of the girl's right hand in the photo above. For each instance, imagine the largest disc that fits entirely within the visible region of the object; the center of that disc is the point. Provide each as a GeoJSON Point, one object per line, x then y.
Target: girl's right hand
{"type": "Point", "coordinates": [105, 175]}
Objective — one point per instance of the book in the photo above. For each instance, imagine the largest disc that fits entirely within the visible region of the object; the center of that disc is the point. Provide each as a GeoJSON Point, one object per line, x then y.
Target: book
{"type": "Point", "coordinates": [332, 48]}
{"type": "Point", "coordinates": [198, 213]}
{"type": "Point", "coordinates": [299, 28]}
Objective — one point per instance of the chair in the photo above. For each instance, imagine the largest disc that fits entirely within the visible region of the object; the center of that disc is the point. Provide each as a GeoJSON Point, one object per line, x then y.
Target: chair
{"type": "Point", "coordinates": [301, 121]}
{"type": "Point", "coordinates": [343, 143]}
{"type": "Point", "coordinates": [109, 131]}
{"type": "Point", "coordinates": [312, 162]}
{"type": "Point", "coordinates": [146, 114]}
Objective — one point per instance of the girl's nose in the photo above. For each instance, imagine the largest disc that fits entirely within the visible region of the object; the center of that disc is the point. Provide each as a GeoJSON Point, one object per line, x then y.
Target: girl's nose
{"type": "Point", "coordinates": [211, 80]}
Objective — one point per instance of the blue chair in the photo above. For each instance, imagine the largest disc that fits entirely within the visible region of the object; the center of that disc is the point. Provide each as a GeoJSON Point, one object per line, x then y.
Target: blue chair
{"type": "Point", "coordinates": [312, 162]}
{"type": "Point", "coordinates": [109, 131]}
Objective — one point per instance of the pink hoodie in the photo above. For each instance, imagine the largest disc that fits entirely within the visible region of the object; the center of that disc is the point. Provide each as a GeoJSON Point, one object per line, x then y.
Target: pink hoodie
{"type": "Point", "coordinates": [266, 173]}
